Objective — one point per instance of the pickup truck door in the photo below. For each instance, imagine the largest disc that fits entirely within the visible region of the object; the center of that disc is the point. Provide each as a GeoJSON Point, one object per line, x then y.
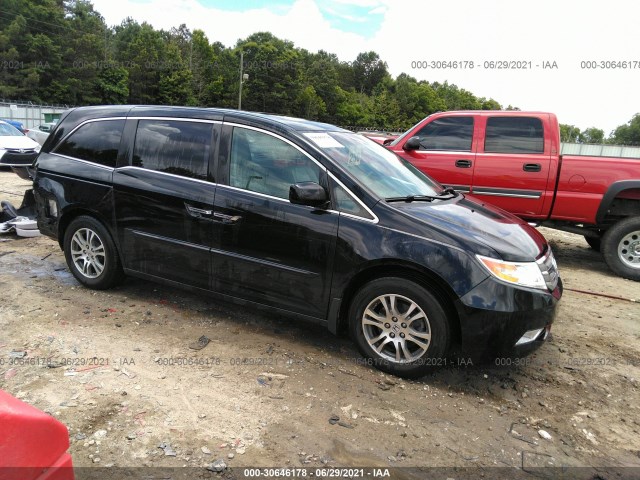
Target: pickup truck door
{"type": "Point", "coordinates": [446, 150]}
{"type": "Point", "coordinates": [512, 163]}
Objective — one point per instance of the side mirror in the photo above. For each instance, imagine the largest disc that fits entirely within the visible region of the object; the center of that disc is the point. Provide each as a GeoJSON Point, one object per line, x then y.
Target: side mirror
{"type": "Point", "coordinates": [412, 144]}
{"type": "Point", "coordinates": [308, 193]}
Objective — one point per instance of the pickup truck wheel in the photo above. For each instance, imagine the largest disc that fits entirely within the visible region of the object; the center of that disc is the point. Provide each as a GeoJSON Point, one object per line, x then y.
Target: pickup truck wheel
{"type": "Point", "coordinates": [594, 242]}
{"type": "Point", "coordinates": [91, 254]}
{"type": "Point", "coordinates": [621, 248]}
{"type": "Point", "coordinates": [400, 326]}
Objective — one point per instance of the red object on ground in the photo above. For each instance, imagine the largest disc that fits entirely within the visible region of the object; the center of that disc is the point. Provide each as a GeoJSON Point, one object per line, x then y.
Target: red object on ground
{"type": "Point", "coordinates": [33, 445]}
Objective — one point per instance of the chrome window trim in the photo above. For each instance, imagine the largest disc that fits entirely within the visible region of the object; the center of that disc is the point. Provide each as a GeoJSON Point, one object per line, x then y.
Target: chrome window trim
{"type": "Point", "coordinates": [93, 164]}
{"type": "Point", "coordinates": [374, 218]}
{"type": "Point", "coordinates": [166, 173]}
{"type": "Point", "coordinates": [106, 119]}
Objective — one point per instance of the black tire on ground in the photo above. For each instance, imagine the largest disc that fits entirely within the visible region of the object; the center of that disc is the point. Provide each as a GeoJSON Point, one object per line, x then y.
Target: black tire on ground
{"type": "Point", "coordinates": [91, 254]}
{"type": "Point", "coordinates": [621, 248]}
{"type": "Point", "coordinates": [594, 242]}
{"type": "Point", "coordinates": [390, 312]}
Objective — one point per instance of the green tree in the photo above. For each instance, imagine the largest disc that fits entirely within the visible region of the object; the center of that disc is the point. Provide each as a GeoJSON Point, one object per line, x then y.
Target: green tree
{"type": "Point", "coordinates": [368, 71]}
{"type": "Point", "coordinates": [353, 108]}
{"type": "Point", "coordinates": [141, 50]}
{"type": "Point", "coordinates": [569, 133]}
{"type": "Point", "coordinates": [273, 66]}
{"type": "Point", "coordinates": [174, 87]}
{"type": "Point", "coordinates": [112, 85]}
{"type": "Point", "coordinates": [627, 134]}
{"type": "Point", "coordinates": [591, 135]}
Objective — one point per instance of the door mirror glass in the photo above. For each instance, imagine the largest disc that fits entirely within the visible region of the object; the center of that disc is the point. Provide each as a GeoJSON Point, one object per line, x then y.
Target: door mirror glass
{"type": "Point", "coordinates": [308, 193]}
{"type": "Point", "coordinates": [412, 144]}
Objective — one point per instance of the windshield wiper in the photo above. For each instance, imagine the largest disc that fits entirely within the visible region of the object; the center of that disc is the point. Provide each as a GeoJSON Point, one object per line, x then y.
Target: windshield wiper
{"type": "Point", "coordinates": [446, 194]}
{"type": "Point", "coordinates": [448, 191]}
{"type": "Point", "coordinates": [412, 198]}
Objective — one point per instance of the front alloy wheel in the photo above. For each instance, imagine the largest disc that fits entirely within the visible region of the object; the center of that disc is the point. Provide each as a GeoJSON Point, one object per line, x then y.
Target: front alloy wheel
{"type": "Point", "coordinates": [396, 328]}
{"type": "Point", "coordinates": [400, 326]}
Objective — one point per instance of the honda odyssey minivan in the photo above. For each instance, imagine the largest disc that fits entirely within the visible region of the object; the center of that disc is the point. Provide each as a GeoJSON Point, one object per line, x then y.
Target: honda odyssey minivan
{"type": "Point", "coordinates": [298, 217]}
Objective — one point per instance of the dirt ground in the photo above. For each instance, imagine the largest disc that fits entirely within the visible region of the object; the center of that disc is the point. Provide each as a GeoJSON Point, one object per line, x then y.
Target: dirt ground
{"type": "Point", "coordinates": [116, 368]}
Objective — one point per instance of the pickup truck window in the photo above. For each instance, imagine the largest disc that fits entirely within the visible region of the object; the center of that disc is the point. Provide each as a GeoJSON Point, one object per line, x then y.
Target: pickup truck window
{"type": "Point", "coordinates": [451, 133]}
{"type": "Point", "coordinates": [514, 135]}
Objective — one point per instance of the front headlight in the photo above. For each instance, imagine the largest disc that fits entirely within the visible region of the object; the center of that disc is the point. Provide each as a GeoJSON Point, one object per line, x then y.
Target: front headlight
{"type": "Point", "coordinates": [526, 274]}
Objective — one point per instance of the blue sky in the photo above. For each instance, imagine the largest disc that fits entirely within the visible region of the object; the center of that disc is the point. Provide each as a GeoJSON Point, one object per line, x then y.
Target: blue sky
{"type": "Point", "coordinates": [361, 18]}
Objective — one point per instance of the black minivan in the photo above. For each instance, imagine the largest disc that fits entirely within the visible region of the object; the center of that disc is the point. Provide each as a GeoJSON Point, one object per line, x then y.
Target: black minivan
{"type": "Point", "coordinates": [296, 216]}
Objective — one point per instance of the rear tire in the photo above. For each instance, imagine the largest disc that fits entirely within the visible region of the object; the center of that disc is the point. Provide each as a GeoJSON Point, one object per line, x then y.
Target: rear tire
{"type": "Point", "coordinates": [91, 254]}
{"type": "Point", "coordinates": [400, 326]}
{"type": "Point", "coordinates": [594, 242]}
{"type": "Point", "coordinates": [621, 248]}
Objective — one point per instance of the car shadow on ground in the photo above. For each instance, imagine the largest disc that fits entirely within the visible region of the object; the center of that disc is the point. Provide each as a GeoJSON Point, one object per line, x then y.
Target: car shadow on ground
{"type": "Point", "coordinates": [306, 338]}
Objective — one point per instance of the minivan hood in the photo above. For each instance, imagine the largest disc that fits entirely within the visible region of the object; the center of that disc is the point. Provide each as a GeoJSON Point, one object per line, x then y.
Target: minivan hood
{"type": "Point", "coordinates": [473, 222]}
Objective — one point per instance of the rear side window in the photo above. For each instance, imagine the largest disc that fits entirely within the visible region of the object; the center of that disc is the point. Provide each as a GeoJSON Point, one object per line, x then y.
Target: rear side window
{"type": "Point", "coordinates": [452, 133]}
{"type": "Point", "coordinates": [180, 148]}
{"type": "Point", "coordinates": [514, 135]}
{"type": "Point", "coordinates": [96, 142]}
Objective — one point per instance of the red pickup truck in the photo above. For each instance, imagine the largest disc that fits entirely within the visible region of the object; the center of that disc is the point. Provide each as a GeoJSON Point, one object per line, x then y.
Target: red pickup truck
{"type": "Point", "coordinates": [512, 159]}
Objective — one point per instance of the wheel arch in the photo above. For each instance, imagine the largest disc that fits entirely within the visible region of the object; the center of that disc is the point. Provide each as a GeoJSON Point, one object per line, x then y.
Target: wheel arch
{"type": "Point", "coordinates": [409, 271]}
{"type": "Point", "coordinates": [71, 214]}
{"type": "Point", "coordinates": [631, 188]}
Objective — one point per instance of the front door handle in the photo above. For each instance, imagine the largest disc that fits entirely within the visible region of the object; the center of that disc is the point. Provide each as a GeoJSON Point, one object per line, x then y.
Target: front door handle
{"type": "Point", "coordinates": [463, 163]}
{"type": "Point", "coordinates": [197, 212]}
{"type": "Point", "coordinates": [532, 167]}
{"type": "Point", "coordinates": [227, 219]}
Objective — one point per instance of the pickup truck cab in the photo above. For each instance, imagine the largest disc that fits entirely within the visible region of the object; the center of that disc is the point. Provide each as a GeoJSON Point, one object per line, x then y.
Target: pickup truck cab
{"type": "Point", "coordinates": [513, 160]}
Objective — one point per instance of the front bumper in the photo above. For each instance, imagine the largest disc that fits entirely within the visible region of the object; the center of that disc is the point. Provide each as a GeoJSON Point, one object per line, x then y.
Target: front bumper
{"type": "Point", "coordinates": [494, 316]}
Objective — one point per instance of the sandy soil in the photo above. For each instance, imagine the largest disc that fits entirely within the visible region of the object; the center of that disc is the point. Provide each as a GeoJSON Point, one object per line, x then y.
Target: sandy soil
{"type": "Point", "coordinates": [117, 369]}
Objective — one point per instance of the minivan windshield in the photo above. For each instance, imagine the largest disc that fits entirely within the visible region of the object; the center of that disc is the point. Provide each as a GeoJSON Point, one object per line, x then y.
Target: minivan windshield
{"type": "Point", "coordinates": [379, 170]}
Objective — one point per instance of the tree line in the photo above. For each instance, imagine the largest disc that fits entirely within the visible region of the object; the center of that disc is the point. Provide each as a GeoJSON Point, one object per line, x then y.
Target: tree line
{"type": "Point", "coordinates": [62, 51]}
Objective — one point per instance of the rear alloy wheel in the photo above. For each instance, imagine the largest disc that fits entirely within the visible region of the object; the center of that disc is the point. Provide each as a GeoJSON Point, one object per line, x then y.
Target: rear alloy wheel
{"type": "Point", "coordinates": [400, 326]}
{"type": "Point", "coordinates": [91, 254]}
{"type": "Point", "coordinates": [621, 248]}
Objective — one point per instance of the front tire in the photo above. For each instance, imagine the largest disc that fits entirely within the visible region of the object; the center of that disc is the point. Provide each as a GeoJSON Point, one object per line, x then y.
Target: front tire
{"type": "Point", "coordinates": [400, 326]}
{"type": "Point", "coordinates": [621, 248]}
{"type": "Point", "coordinates": [91, 254]}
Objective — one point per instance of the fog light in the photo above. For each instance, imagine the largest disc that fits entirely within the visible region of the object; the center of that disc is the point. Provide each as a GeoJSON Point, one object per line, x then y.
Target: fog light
{"type": "Point", "coordinates": [529, 336]}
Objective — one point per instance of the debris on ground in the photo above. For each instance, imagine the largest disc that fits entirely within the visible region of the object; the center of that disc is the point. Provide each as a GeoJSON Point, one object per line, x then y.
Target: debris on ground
{"type": "Point", "coordinates": [202, 342]}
